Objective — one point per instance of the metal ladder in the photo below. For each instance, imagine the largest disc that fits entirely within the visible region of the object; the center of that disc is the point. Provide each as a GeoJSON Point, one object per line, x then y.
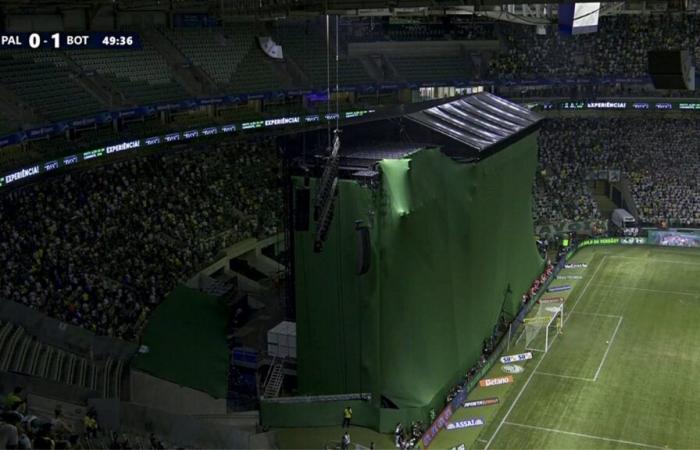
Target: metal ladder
{"type": "Point", "coordinates": [275, 378]}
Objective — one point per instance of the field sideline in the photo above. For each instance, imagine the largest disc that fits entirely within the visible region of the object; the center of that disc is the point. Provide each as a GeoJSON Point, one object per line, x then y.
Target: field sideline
{"type": "Point", "coordinates": [624, 373]}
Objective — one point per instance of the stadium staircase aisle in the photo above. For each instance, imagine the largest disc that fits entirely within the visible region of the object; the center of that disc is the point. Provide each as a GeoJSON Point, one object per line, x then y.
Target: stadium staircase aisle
{"type": "Point", "coordinates": [100, 87]}
{"type": "Point", "coordinates": [192, 77]}
{"type": "Point", "coordinates": [22, 354]}
{"type": "Point", "coordinates": [605, 205]}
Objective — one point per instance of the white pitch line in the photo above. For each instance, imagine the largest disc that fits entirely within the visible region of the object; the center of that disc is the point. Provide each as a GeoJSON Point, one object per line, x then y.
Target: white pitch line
{"type": "Point", "coordinates": [605, 355]}
{"type": "Point", "coordinates": [527, 382]}
{"type": "Point", "coordinates": [565, 376]}
{"type": "Point", "coordinates": [585, 288]}
{"type": "Point", "coordinates": [670, 261]}
{"type": "Point", "coordinates": [589, 436]}
{"type": "Point", "coordinates": [597, 314]}
{"type": "Point", "coordinates": [658, 291]}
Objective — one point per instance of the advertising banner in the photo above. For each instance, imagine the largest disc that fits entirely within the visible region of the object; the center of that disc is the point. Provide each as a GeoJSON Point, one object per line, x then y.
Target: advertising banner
{"type": "Point", "coordinates": [516, 358]}
{"type": "Point", "coordinates": [633, 241]}
{"type": "Point", "coordinates": [600, 241]}
{"type": "Point", "coordinates": [486, 382]}
{"type": "Point", "coordinates": [466, 423]}
{"type": "Point", "coordinates": [483, 402]}
{"type": "Point", "coordinates": [436, 426]}
{"type": "Point", "coordinates": [674, 239]}
{"type": "Point", "coordinates": [562, 288]}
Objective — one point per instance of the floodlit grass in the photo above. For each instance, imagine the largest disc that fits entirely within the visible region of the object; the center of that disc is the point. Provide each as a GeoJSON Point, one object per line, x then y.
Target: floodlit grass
{"type": "Point", "coordinates": [624, 373]}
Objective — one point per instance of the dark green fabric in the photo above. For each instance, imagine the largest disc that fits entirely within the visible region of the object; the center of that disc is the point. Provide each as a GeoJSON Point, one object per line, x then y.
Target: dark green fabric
{"type": "Point", "coordinates": [186, 336]}
{"type": "Point", "coordinates": [448, 240]}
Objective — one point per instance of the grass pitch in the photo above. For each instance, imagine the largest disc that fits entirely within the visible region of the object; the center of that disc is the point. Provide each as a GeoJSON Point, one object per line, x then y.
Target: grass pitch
{"type": "Point", "coordinates": [625, 372]}
{"type": "Point", "coordinates": [623, 375]}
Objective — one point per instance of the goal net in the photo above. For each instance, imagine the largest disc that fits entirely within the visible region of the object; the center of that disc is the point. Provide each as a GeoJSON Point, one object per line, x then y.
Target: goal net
{"type": "Point", "coordinates": [542, 328]}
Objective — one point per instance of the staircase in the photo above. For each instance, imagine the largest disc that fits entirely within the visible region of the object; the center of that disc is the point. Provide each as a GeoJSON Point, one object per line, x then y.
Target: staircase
{"type": "Point", "coordinates": [95, 84]}
{"type": "Point", "coordinates": [605, 205]}
{"type": "Point", "coordinates": [23, 354]}
{"type": "Point", "coordinates": [195, 80]}
{"type": "Point", "coordinates": [275, 378]}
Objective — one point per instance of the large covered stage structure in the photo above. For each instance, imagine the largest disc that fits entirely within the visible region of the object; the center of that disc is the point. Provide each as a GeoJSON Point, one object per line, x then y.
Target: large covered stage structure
{"type": "Point", "coordinates": [412, 239]}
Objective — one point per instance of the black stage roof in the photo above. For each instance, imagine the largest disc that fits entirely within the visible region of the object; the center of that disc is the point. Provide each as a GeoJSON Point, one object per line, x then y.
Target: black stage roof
{"type": "Point", "coordinates": [466, 128]}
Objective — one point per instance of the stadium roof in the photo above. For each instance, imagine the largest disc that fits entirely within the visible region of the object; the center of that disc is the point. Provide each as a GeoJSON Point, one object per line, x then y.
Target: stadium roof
{"type": "Point", "coordinates": [232, 8]}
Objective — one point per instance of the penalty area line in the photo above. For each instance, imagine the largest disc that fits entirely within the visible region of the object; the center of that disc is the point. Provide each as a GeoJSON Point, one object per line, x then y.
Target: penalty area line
{"type": "Point", "coordinates": [537, 366]}
{"type": "Point", "coordinates": [589, 436]}
{"type": "Point", "coordinates": [569, 377]}
{"type": "Point", "coordinates": [605, 355]}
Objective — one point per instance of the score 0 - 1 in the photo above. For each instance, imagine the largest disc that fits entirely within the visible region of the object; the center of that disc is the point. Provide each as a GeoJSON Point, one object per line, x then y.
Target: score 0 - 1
{"type": "Point", "coordinates": [34, 40]}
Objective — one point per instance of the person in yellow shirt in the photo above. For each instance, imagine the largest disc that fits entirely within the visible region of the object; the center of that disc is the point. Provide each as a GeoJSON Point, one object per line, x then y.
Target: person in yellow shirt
{"type": "Point", "coordinates": [14, 400]}
{"type": "Point", "coordinates": [90, 425]}
{"type": "Point", "coordinates": [347, 417]}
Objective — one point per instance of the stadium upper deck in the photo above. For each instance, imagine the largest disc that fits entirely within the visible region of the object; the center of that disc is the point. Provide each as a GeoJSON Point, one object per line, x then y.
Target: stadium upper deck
{"type": "Point", "coordinates": [41, 87]}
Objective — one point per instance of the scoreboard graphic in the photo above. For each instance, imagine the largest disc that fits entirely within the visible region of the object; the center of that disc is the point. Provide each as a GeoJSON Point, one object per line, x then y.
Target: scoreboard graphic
{"type": "Point", "coordinates": [70, 41]}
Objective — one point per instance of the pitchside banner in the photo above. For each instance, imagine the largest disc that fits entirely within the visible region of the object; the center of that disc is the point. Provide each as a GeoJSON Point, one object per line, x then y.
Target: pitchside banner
{"type": "Point", "coordinates": [482, 402]}
{"type": "Point", "coordinates": [486, 382]}
{"type": "Point", "coordinates": [466, 423]}
{"type": "Point", "coordinates": [562, 288]}
{"type": "Point", "coordinates": [439, 423]}
{"type": "Point", "coordinates": [674, 238]}
{"type": "Point", "coordinates": [516, 358]}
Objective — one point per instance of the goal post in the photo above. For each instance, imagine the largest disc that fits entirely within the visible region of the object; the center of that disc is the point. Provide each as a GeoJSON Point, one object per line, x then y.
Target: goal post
{"type": "Point", "coordinates": [544, 327]}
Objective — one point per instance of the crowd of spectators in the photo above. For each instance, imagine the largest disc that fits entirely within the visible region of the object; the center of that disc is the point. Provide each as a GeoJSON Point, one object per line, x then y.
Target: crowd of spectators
{"type": "Point", "coordinates": [23, 428]}
{"type": "Point", "coordinates": [618, 48]}
{"type": "Point", "coordinates": [561, 193]}
{"type": "Point", "coordinates": [659, 157]}
{"type": "Point", "coordinates": [537, 283]}
{"type": "Point", "coordinates": [408, 437]}
{"type": "Point", "coordinates": [100, 248]}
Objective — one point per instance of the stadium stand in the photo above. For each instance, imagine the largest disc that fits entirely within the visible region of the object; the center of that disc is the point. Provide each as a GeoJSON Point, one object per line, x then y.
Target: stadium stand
{"type": "Point", "coordinates": [619, 48]}
{"type": "Point", "coordinates": [6, 124]}
{"type": "Point", "coordinates": [254, 74]}
{"type": "Point", "coordinates": [142, 76]}
{"type": "Point", "coordinates": [46, 85]}
{"type": "Point", "coordinates": [22, 353]}
{"type": "Point", "coordinates": [661, 162]}
{"type": "Point", "coordinates": [305, 43]}
{"type": "Point", "coordinates": [103, 258]}
{"type": "Point", "coordinates": [218, 51]}
{"type": "Point", "coordinates": [230, 56]}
